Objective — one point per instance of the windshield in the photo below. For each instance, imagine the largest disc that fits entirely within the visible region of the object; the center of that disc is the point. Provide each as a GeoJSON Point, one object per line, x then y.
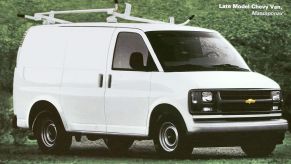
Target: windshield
{"type": "Point", "coordinates": [180, 51]}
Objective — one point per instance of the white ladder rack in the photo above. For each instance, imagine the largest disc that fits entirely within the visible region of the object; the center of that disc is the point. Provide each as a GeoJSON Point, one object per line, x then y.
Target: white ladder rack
{"type": "Point", "coordinates": [49, 17]}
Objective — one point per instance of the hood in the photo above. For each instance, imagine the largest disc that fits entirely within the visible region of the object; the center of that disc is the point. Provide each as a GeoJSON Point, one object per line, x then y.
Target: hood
{"type": "Point", "coordinates": [224, 79]}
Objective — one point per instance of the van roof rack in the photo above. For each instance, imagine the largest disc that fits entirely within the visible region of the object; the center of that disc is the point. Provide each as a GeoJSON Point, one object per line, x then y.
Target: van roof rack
{"type": "Point", "coordinates": [49, 17]}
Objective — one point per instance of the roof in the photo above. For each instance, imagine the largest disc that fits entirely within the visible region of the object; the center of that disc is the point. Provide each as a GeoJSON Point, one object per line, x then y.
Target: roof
{"type": "Point", "coordinates": [142, 26]}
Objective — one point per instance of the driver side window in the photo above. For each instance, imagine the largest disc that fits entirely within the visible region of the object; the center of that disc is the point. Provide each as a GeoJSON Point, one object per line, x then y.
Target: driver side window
{"type": "Point", "coordinates": [131, 54]}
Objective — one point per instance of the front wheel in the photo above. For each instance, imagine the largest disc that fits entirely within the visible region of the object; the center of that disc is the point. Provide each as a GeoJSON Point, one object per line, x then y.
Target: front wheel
{"type": "Point", "coordinates": [170, 138]}
{"type": "Point", "coordinates": [51, 135]}
{"type": "Point", "coordinates": [257, 150]}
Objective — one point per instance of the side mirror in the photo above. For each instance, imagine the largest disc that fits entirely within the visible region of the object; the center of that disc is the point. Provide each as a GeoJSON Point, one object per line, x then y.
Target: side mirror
{"type": "Point", "coordinates": [136, 61]}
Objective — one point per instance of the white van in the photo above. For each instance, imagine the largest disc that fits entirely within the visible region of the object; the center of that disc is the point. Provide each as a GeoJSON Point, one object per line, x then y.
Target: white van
{"type": "Point", "coordinates": [181, 86]}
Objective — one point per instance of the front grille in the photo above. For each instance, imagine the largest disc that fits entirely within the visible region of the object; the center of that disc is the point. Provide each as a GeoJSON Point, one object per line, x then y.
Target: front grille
{"type": "Point", "coordinates": [243, 107]}
{"type": "Point", "coordinates": [234, 101]}
{"type": "Point", "coordinates": [243, 95]}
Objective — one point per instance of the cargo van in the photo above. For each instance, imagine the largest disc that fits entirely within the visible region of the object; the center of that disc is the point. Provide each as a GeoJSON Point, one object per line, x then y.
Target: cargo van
{"type": "Point", "coordinates": [179, 85]}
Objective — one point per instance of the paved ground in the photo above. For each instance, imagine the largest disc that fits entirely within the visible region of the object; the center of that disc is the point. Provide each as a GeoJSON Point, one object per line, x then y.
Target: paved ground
{"type": "Point", "coordinates": [140, 152]}
{"type": "Point", "coordinates": [146, 149]}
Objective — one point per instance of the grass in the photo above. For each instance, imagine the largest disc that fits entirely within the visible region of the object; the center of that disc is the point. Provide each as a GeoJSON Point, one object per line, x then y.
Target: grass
{"type": "Point", "coordinates": [140, 152]}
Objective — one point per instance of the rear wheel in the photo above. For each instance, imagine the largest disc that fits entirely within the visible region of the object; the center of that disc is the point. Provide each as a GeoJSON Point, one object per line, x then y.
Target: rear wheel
{"type": "Point", "coordinates": [170, 137]}
{"type": "Point", "coordinates": [118, 144]}
{"type": "Point", "coordinates": [259, 149]}
{"type": "Point", "coordinates": [51, 135]}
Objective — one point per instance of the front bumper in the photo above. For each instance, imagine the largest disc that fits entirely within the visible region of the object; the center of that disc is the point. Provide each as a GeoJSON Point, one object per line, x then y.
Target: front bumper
{"type": "Point", "coordinates": [279, 125]}
{"type": "Point", "coordinates": [237, 131]}
{"type": "Point", "coordinates": [239, 123]}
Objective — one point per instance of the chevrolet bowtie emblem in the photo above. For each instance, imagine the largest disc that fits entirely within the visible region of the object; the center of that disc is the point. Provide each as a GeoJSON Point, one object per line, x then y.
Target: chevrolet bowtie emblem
{"type": "Point", "coordinates": [250, 101]}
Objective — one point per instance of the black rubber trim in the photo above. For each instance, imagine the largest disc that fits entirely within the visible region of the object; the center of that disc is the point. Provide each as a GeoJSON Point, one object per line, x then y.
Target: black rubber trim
{"type": "Point", "coordinates": [236, 113]}
{"type": "Point", "coordinates": [219, 120]}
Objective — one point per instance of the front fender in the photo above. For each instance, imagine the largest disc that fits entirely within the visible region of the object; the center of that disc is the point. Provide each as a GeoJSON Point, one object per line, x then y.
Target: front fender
{"type": "Point", "coordinates": [179, 104]}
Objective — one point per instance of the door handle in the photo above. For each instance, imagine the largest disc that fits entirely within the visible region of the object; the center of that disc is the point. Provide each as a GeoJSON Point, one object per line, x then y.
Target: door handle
{"type": "Point", "coordinates": [109, 80]}
{"type": "Point", "coordinates": [100, 80]}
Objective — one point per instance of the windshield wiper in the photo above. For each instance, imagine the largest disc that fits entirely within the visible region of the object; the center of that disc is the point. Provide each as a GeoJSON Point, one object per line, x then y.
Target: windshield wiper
{"type": "Point", "coordinates": [193, 67]}
{"type": "Point", "coordinates": [230, 67]}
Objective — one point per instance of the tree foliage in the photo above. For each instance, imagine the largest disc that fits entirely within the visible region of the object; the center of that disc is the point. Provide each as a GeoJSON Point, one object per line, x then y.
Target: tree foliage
{"type": "Point", "coordinates": [263, 41]}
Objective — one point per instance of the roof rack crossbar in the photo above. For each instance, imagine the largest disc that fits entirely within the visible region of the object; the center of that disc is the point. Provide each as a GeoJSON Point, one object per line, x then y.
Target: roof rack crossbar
{"type": "Point", "coordinates": [109, 11]}
{"type": "Point", "coordinates": [49, 17]}
{"type": "Point", "coordinates": [137, 19]}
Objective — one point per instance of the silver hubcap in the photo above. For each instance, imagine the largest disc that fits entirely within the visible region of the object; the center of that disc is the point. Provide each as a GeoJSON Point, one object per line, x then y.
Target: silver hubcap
{"type": "Point", "coordinates": [168, 136]}
{"type": "Point", "coordinates": [49, 133]}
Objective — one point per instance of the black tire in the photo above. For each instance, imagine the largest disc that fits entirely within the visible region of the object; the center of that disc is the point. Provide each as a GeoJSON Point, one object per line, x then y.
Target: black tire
{"type": "Point", "coordinates": [258, 150]}
{"type": "Point", "coordinates": [51, 135]}
{"type": "Point", "coordinates": [118, 145]}
{"type": "Point", "coordinates": [170, 137]}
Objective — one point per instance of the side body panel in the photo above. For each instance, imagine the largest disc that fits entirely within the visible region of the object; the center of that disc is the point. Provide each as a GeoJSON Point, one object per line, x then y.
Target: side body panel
{"type": "Point", "coordinates": [38, 73]}
{"type": "Point", "coordinates": [82, 91]}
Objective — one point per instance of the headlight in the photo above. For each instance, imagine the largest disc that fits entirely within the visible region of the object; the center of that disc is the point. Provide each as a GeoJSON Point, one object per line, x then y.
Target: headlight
{"type": "Point", "coordinates": [202, 101]}
{"type": "Point", "coordinates": [206, 96]}
{"type": "Point", "coordinates": [275, 95]}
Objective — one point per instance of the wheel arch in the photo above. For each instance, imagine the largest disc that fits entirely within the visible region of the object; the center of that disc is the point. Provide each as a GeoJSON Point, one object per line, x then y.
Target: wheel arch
{"type": "Point", "coordinates": [42, 106]}
{"type": "Point", "coordinates": [163, 109]}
